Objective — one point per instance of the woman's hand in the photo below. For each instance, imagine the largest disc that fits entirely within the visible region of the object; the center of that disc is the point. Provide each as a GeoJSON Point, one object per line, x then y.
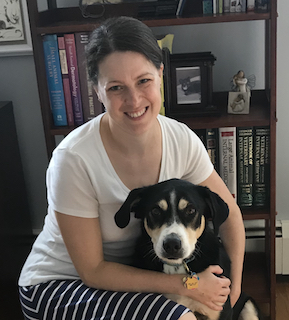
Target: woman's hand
{"type": "Point", "coordinates": [212, 291]}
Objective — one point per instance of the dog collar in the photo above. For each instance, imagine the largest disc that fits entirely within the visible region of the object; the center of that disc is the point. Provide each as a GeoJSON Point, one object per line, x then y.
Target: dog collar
{"type": "Point", "coordinates": [184, 263]}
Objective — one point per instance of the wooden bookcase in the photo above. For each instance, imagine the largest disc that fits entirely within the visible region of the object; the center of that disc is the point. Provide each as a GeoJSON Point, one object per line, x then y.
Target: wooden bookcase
{"type": "Point", "coordinates": [259, 269]}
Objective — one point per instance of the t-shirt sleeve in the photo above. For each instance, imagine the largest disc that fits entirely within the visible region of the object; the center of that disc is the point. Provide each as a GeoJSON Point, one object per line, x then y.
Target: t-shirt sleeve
{"type": "Point", "coordinates": [69, 188]}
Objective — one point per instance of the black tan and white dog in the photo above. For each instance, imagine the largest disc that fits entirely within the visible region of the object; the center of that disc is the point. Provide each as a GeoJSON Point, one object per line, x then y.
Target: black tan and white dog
{"type": "Point", "coordinates": [176, 238]}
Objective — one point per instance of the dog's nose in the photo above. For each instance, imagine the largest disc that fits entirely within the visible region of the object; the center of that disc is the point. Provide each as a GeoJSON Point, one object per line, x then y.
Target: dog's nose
{"type": "Point", "coordinates": [172, 245]}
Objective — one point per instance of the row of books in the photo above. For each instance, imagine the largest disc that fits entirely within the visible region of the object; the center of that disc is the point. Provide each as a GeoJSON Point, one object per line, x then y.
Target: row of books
{"type": "Point", "coordinates": [241, 157]}
{"type": "Point", "coordinates": [73, 100]}
{"type": "Point", "coordinates": [186, 7]}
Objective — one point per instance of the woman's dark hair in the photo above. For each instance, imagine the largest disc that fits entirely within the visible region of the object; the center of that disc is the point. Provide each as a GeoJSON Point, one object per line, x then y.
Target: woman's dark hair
{"type": "Point", "coordinates": [121, 34]}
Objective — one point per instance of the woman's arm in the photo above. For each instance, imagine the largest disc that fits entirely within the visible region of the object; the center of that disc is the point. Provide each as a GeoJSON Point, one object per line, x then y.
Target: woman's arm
{"type": "Point", "coordinates": [232, 233]}
{"type": "Point", "coordinates": [82, 237]}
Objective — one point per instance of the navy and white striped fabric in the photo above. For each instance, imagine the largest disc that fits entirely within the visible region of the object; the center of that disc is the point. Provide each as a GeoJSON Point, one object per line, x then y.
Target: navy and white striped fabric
{"type": "Point", "coordinates": [73, 300]}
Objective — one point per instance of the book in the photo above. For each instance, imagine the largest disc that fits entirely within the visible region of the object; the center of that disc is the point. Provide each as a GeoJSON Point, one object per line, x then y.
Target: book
{"type": "Point", "coordinates": [227, 158]}
{"type": "Point", "coordinates": [226, 6]}
{"type": "Point", "coordinates": [207, 7]}
{"type": "Point", "coordinates": [245, 166]}
{"type": "Point", "coordinates": [212, 145]}
{"type": "Point", "coordinates": [91, 106]}
{"type": "Point", "coordinates": [250, 5]}
{"type": "Point", "coordinates": [54, 80]}
{"type": "Point", "coordinates": [65, 80]}
{"type": "Point", "coordinates": [261, 5]}
{"type": "Point", "coordinates": [70, 48]}
{"type": "Point", "coordinates": [188, 8]}
{"type": "Point", "coordinates": [220, 6]}
{"type": "Point", "coordinates": [261, 183]}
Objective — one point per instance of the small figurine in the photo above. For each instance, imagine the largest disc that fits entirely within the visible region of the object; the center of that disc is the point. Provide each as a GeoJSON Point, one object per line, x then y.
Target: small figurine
{"type": "Point", "coordinates": [241, 83]}
{"type": "Point", "coordinates": [239, 98]}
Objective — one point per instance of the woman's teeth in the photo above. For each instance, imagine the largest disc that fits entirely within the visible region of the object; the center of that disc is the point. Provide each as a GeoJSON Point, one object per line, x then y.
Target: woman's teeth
{"type": "Point", "coordinates": [136, 114]}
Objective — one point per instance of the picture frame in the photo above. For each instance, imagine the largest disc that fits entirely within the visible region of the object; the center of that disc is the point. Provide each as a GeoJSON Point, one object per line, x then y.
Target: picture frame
{"type": "Point", "coordinates": [189, 84]}
{"type": "Point", "coordinates": [15, 37]}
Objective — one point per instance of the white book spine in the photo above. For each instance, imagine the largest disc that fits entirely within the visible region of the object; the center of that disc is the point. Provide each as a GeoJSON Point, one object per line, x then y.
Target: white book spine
{"type": "Point", "coordinates": [228, 158]}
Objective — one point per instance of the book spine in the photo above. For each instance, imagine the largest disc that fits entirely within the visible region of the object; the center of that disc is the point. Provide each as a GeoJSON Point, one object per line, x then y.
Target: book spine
{"type": "Point", "coordinates": [207, 6]}
{"type": "Point", "coordinates": [73, 78]}
{"type": "Point", "coordinates": [228, 166]}
{"type": "Point", "coordinates": [90, 104]}
{"type": "Point", "coordinates": [220, 6]}
{"type": "Point", "coordinates": [261, 5]}
{"type": "Point", "coordinates": [212, 139]}
{"type": "Point", "coordinates": [226, 6]}
{"type": "Point", "coordinates": [244, 6]}
{"type": "Point", "coordinates": [245, 166]}
{"type": "Point", "coordinates": [261, 186]}
{"type": "Point", "coordinates": [54, 80]}
{"type": "Point", "coordinates": [65, 80]}
{"type": "Point", "coordinates": [250, 5]}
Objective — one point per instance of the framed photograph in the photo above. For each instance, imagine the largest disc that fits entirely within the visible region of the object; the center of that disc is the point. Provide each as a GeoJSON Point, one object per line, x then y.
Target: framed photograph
{"type": "Point", "coordinates": [189, 82]}
{"type": "Point", "coordinates": [15, 38]}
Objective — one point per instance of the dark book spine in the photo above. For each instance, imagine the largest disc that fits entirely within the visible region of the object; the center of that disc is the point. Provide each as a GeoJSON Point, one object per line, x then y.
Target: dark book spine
{"type": "Point", "coordinates": [90, 104]}
{"type": "Point", "coordinates": [74, 78]}
{"type": "Point", "coordinates": [212, 145]}
{"type": "Point", "coordinates": [65, 80]}
{"type": "Point", "coordinates": [54, 80]}
{"type": "Point", "coordinates": [245, 166]}
{"type": "Point", "coordinates": [261, 167]}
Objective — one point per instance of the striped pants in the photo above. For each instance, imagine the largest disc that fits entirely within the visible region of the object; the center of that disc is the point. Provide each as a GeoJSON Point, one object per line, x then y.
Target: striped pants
{"type": "Point", "coordinates": [73, 300]}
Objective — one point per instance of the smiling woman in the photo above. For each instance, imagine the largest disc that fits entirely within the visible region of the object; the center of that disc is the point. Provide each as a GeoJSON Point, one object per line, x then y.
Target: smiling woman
{"type": "Point", "coordinates": [80, 266]}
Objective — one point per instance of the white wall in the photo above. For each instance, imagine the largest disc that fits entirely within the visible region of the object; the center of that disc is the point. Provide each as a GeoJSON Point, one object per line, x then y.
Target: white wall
{"type": "Point", "coordinates": [282, 191]}
{"type": "Point", "coordinates": [238, 45]}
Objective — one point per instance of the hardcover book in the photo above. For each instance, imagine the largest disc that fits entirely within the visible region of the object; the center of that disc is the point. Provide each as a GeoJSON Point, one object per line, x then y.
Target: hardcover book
{"type": "Point", "coordinates": [212, 145]}
{"type": "Point", "coordinates": [74, 78]}
{"type": "Point", "coordinates": [65, 80]}
{"type": "Point", "coordinates": [245, 166]}
{"type": "Point", "coordinates": [228, 165]}
{"type": "Point", "coordinates": [54, 80]}
{"type": "Point", "coordinates": [261, 187]}
{"type": "Point", "coordinates": [90, 104]}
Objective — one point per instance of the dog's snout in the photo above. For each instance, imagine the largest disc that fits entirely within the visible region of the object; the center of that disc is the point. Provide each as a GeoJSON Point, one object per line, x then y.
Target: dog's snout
{"type": "Point", "coordinates": [172, 245]}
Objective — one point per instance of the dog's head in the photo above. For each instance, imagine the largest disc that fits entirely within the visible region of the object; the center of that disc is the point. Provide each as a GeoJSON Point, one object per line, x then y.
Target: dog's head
{"type": "Point", "coordinates": [173, 213]}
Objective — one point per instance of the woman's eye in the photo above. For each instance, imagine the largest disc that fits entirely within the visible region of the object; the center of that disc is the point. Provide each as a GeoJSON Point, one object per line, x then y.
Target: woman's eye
{"type": "Point", "coordinates": [114, 88]}
{"type": "Point", "coordinates": [144, 81]}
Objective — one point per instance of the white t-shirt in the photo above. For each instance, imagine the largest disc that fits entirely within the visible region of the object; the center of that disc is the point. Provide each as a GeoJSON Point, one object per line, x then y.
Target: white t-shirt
{"type": "Point", "coordinates": [82, 182]}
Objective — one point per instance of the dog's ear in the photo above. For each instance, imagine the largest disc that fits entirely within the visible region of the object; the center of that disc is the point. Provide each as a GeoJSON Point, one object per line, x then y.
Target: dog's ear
{"type": "Point", "coordinates": [218, 208]}
{"type": "Point", "coordinates": [122, 217]}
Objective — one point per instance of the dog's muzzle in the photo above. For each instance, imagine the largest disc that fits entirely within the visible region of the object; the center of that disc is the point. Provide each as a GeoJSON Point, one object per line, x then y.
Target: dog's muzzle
{"type": "Point", "coordinates": [172, 247]}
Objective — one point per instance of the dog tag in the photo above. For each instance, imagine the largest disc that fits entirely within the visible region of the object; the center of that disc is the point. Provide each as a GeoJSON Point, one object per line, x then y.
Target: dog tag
{"type": "Point", "coordinates": [191, 282]}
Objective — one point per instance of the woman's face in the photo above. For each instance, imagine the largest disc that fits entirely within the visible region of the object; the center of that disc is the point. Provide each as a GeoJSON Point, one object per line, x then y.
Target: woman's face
{"type": "Point", "coordinates": [129, 87]}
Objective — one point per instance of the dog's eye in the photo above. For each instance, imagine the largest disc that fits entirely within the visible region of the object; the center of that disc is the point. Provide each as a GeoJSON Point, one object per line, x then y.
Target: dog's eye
{"type": "Point", "coordinates": [156, 211]}
{"type": "Point", "coordinates": [190, 210]}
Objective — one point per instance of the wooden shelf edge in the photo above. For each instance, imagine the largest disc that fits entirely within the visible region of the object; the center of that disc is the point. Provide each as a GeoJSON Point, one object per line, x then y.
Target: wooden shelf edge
{"type": "Point", "coordinates": [64, 20]}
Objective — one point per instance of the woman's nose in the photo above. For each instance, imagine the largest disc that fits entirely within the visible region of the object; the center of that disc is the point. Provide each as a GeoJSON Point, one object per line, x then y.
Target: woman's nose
{"type": "Point", "coordinates": [132, 96]}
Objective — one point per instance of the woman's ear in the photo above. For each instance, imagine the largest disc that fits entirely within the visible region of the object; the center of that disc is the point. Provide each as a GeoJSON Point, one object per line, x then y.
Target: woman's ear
{"type": "Point", "coordinates": [95, 87]}
{"type": "Point", "coordinates": [161, 70]}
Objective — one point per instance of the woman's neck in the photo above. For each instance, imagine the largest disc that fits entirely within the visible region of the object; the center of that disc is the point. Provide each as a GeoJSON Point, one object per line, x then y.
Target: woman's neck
{"type": "Point", "coordinates": [127, 143]}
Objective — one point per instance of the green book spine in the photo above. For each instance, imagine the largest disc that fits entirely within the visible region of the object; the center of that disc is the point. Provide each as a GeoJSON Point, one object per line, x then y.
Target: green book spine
{"type": "Point", "coordinates": [261, 167]}
{"type": "Point", "coordinates": [245, 166]}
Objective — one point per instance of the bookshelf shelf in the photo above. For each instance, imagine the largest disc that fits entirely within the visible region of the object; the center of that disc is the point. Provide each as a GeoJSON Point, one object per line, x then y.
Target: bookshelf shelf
{"type": "Point", "coordinates": [259, 271]}
{"type": "Point", "coordinates": [65, 20]}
